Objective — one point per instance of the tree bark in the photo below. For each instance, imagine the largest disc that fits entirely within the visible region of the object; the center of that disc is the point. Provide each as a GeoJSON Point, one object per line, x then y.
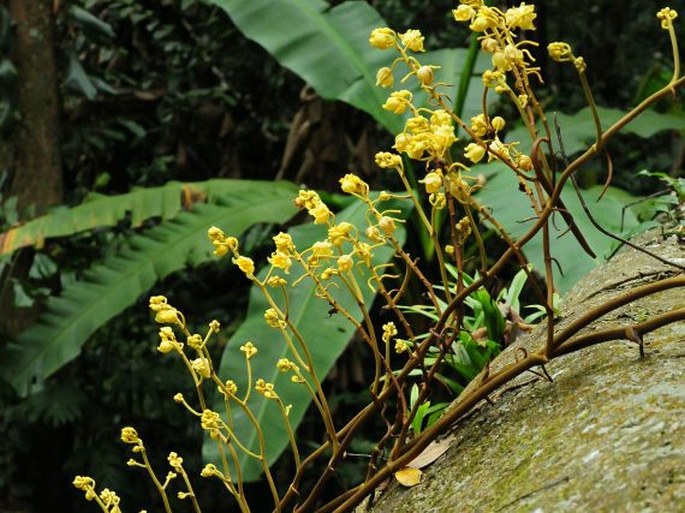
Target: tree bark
{"type": "Point", "coordinates": [36, 166]}
{"type": "Point", "coordinates": [34, 147]}
{"type": "Point", "coordinates": [606, 435]}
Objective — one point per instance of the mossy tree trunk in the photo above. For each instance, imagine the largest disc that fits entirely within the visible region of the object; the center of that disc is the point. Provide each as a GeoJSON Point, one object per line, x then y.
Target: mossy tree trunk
{"type": "Point", "coordinates": [606, 435]}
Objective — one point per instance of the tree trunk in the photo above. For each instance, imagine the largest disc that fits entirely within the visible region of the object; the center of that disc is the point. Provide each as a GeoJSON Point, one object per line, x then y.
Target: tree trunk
{"type": "Point", "coordinates": [608, 434]}
{"type": "Point", "coordinates": [36, 166]}
{"type": "Point", "coordinates": [34, 148]}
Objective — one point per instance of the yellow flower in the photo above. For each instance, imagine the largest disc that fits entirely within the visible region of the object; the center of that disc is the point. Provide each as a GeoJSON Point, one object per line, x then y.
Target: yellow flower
{"type": "Point", "coordinates": [210, 420]}
{"type": "Point", "coordinates": [280, 260]}
{"type": "Point", "coordinates": [474, 152]}
{"type": "Point", "coordinates": [285, 365]}
{"type": "Point", "coordinates": [216, 234]}
{"type": "Point", "coordinates": [245, 264]}
{"type": "Point", "coordinates": [432, 182]}
{"type": "Point", "coordinates": [389, 331]}
{"type": "Point", "coordinates": [168, 340]}
{"type": "Point", "coordinates": [382, 38]}
{"type": "Point", "coordinates": [276, 281]}
{"type": "Point", "coordinates": [521, 17]}
{"type": "Point", "coordinates": [273, 319]}
{"type": "Point", "coordinates": [129, 435]}
{"type": "Point", "coordinates": [463, 13]}
{"type": "Point", "coordinates": [202, 367]}
{"type": "Point", "coordinates": [83, 482]}
{"type": "Point", "coordinates": [400, 346]}
{"type": "Point", "coordinates": [398, 101]}
{"type": "Point", "coordinates": [364, 251]}
{"type": "Point", "coordinates": [284, 243]}
{"type": "Point", "coordinates": [386, 160]}
{"type": "Point", "coordinates": [492, 79]}
{"type": "Point", "coordinates": [174, 460]}
{"type": "Point", "coordinates": [168, 316]}
{"type": "Point", "coordinates": [384, 77]}
{"type": "Point", "coordinates": [372, 233]}
{"type": "Point", "coordinates": [231, 387]}
{"type": "Point", "coordinates": [352, 184]}
{"type": "Point", "coordinates": [320, 213]}
{"type": "Point", "coordinates": [524, 162]}
{"type": "Point", "coordinates": [489, 44]}
{"type": "Point", "coordinates": [249, 349]}
{"type": "Point", "coordinates": [667, 15]}
{"type": "Point", "coordinates": [321, 249]}
{"type": "Point", "coordinates": [267, 389]}
{"type": "Point", "coordinates": [109, 498]}
{"type": "Point", "coordinates": [413, 40]}
{"type": "Point", "coordinates": [195, 341]}
{"type": "Point", "coordinates": [485, 19]}
{"type": "Point", "coordinates": [479, 125]}
{"type": "Point", "coordinates": [462, 230]}
{"type": "Point", "coordinates": [416, 125]}
{"type": "Point", "coordinates": [345, 263]}
{"type": "Point", "coordinates": [158, 303]}
{"type": "Point", "coordinates": [340, 232]}
{"type": "Point", "coordinates": [307, 199]}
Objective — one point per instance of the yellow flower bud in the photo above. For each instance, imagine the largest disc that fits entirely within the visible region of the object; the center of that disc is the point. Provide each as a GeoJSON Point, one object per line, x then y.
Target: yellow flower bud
{"type": "Point", "coordinates": [249, 349]}
{"type": "Point", "coordinates": [666, 15]}
{"type": "Point", "coordinates": [167, 316]}
{"type": "Point", "coordinates": [559, 51]}
{"type": "Point", "coordinates": [384, 77]}
{"type": "Point", "coordinates": [387, 224]}
{"type": "Point", "coordinates": [398, 101]}
{"type": "Point", "coordinates": [382, 38]}
{"type": "Point", "coordinates": [474, 152]}
{"type": "Point", "coordinates": [386, 160]}
{"type": "Point", "coordinates": [352, 184]}
{"type": "Point", "coordinates": [129, 435]}
{"type": "Point", "coordinates": [321, 213]}
{"type": "Point", "coordinates": [432, 182]}
{"type": "Point", "coordinates": [524, 162]}
{"type": "Point", "coordinates": [498, 123]}
{"type": "Point", "coordinates": [425, 75]}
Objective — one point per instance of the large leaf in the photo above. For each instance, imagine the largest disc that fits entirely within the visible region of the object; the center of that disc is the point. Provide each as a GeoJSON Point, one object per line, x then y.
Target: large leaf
{"type": "Point", "coordinates": [328, 47]}
{"type": "Point", "coordinates": [512, 209]}
{"type": "Point", "coordinates": [578, 130]}
{"type": "Point", "coordinates": [98, 211]}
{"type": "Point", "coordinates": [108, 288]}
{"type": "Point", "coordinates": [327, 335]}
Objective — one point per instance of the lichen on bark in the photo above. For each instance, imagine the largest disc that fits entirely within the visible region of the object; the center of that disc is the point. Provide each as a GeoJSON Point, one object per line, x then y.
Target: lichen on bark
{"type": "Point", "coordinates": [607, 435]}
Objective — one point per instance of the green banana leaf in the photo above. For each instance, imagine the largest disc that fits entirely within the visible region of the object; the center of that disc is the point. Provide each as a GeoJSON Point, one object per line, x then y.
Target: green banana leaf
{"type": "Point", "coordinates": [513, 210]}
{"type": "Point", "coordinates": [110, 287]}
{"type": "Point", "coordinates": [578, 129]}
{"type": "Point", "coordinates": [328, 48]}
{"type": "Point", "coordinates": [327, 335]}
{"type": "Point", "coordinates": [98, 210]}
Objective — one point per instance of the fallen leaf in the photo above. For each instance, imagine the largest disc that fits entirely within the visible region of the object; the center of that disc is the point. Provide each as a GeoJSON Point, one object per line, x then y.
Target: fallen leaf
{"type": "Point", "coordinates": [408, 476]}
{"type": "Point", "coordinates": [431, 453]}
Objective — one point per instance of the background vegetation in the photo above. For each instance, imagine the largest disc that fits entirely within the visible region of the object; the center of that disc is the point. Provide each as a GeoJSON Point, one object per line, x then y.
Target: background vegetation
{"type": "Point", "coordinates": [148, 92]}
